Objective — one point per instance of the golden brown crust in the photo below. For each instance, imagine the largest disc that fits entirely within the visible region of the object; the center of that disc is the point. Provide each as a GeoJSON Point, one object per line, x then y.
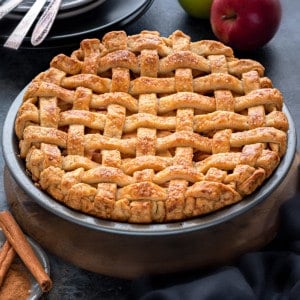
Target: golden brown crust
{"type": "Point", "coordinates": [145, 128]}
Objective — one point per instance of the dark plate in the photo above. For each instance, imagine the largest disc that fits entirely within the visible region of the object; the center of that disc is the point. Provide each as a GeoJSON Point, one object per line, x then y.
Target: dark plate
{"type": "Point", "coordinates": [63, 12]}
{"type": "Point", "coordinates": [17, 169]}
{"type": "Point", "coordinates": [112, 13]}
{"type": "Point", "coordinates": [65, 4]}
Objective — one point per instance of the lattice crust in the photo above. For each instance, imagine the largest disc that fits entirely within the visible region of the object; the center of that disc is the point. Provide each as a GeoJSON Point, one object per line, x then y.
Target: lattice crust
{"type": "Point", "coordinates": [145, 128]}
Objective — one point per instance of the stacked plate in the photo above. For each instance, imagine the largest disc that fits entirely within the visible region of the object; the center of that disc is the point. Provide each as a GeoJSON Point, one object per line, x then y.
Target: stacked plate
{"type": "Point", "coordinates": [78, 19]}
{"type": "Point", "coordinates": [69, 8]}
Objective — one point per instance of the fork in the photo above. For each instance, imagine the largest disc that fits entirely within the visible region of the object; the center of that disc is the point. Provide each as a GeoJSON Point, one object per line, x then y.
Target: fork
{"type": "Point", "coordinates": [45, 22]}
{"type": "Point", "coordinates": [17, 36]}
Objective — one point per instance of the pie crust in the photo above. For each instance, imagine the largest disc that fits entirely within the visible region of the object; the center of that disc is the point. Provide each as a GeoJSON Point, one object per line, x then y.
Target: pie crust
{"type": "Point", "coordinates": [151, 129]}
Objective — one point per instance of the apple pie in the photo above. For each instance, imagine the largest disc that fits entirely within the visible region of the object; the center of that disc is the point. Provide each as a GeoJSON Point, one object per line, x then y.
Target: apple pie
{"type": "Point", "coordinates": [150, 129]}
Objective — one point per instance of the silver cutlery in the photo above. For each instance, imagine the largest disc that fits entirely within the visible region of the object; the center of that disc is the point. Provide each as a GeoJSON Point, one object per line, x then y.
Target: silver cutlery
{"type": "Point", "coordinates": [17, 36]}
{"type": "Point", "coordinates": [8, 6]}
{"type": "Point", "coordinates": [45, 22]}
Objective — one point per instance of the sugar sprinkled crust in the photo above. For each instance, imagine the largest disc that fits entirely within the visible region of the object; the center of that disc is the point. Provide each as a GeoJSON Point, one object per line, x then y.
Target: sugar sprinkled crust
{"type": "Point", "coordinates": [147, 129]}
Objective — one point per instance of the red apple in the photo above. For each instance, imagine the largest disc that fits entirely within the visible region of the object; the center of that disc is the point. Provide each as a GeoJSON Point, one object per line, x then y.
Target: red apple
{"type": "Point", "coordinates": [245, 24]}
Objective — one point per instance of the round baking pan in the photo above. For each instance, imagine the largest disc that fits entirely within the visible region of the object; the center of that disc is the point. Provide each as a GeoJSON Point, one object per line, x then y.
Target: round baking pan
{"type": "Point", "coordinates": [130, 250]}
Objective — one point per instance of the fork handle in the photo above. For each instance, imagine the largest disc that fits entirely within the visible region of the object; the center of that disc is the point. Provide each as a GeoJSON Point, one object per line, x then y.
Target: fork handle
{"type": "Point", "coordinates": [8, 6]}
{"type": "Point", "coordinates": [17, 36]}
{"type": "Point", "coordinates": [45, 22]}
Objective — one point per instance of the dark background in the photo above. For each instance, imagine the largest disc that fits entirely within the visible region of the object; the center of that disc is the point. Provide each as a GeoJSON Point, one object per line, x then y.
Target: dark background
{"type": "Point", "coordinates": [273, 272]}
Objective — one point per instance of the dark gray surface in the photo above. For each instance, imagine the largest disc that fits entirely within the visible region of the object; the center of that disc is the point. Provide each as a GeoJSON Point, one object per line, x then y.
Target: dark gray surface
{"type": "Point", "coordinates": [17, 68]}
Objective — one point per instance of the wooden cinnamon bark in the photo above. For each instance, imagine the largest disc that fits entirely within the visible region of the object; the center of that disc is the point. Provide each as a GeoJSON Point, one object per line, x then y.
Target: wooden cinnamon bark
{"type": "Point", "coordinates": [7, 255]}
{"type": "Point", "coordinates": [18, 241]}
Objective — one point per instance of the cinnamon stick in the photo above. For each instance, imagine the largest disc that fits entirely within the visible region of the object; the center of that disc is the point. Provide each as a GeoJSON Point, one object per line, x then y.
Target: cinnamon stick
{"type": "Point", "coordinates": [17, 239]}
{"type": "Point", "coordinates": [7, 255]}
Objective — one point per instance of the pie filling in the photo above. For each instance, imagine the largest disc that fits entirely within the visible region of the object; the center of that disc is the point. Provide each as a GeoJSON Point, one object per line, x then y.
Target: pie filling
{"type": "Point", "coordinates": [151, 129]}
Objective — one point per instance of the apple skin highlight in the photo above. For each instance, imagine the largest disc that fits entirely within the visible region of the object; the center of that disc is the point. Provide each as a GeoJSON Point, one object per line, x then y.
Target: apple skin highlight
{"type": "Point", "coordinates": [245, 24]}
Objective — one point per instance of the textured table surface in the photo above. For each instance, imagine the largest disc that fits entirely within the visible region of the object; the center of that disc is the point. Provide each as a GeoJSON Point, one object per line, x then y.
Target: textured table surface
{"type": "Point", "coordinates": [280, 57]}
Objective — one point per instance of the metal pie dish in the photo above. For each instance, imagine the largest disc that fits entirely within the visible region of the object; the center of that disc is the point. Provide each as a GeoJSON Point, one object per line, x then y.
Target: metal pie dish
{"type": "Point", "coordinates": [131, 250]}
